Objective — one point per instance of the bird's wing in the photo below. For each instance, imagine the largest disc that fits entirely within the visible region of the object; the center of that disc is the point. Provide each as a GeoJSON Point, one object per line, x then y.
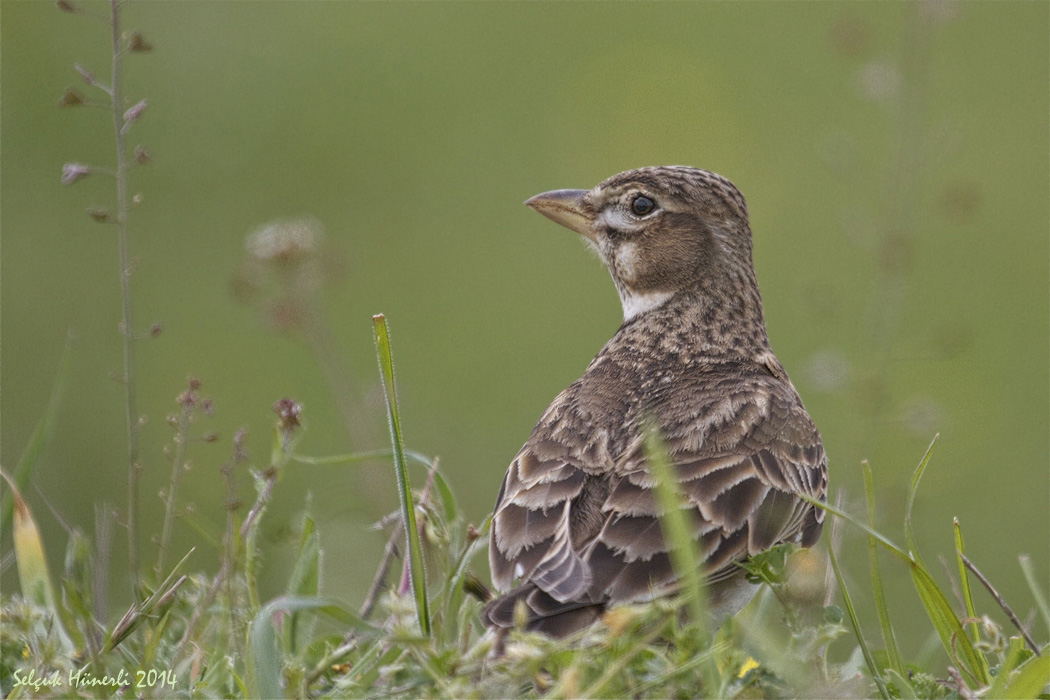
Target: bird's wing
{"type": "Point", "coordinates": [740, 465]}
{"type": "Point", "coordinates": [577, 521]}
{"type": "Point", "coordinates": [532, 538]}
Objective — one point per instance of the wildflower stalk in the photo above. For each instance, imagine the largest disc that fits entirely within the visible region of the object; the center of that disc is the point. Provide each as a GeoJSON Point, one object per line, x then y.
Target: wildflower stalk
{"type": "Point", "coordinates": [126, 327]}
{"type": "Point", "coordinates": [177, 463]}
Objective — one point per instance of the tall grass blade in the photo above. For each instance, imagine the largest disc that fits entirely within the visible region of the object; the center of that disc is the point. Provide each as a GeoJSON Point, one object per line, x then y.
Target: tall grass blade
{"type": "Point", "coordinates": [303, 582]}
{"type": "Point", "coordinates": [871, 532]}
{"type": "Point", "coordinates": [964, 582]}
{"type": "Point", "coordinates": [888, 636]}
{"type": "Point", "coordinates": [945, 621]}
{"type": "Point", "coordinates": [448, 502]}
{"type": "Point", "coordinates": [33, 575]}
{"type": "Point", "coordinates": [851, 611]}
{"type": "Point", "coordinates": [1037, 591]}
{"type": "Point", "coordinates": [909, 532]}
{"type": "Point", "coordinates": [265, 662]}
{"type": "Point", "coordinates": [408, 510]}
{"type": "Point", "coordinates": [947, 624]}
{"type": "Point", "coordinates": [41, 436]}
{"type": "Point", "coordinates": [684, 555]}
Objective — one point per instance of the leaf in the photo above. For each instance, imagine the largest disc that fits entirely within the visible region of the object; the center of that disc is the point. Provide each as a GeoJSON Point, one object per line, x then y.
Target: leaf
{"type": "Point", "coordinates": [901, 684]}
{"type": "Point", "coordinates": [33, 575]}
{"type": "Point", "coordinates": [888, 636]}
{"type": "Point", "coordinates": [947, 623]}
{"type": "Point", "coordinates": [1033, 585]}
{"type": "Point", "coordinates": [909, 532]}
{"type": "Point", "coordinates": [684, 557]}
{"type": "Point", "coordinates": [41, 436]}
{"type": "Point", "coordinates": [408, 510]}
{"type": "Point", "coordinates": [1032, 678]}
{"type": "Point", "coordinates": [265, 665]}
{"type": "Point", "coordinates": [964, 581]}
{"type": "Point", "coordinates": [855, 623]}
{"type": "Point", "coordinates": [303, 582]}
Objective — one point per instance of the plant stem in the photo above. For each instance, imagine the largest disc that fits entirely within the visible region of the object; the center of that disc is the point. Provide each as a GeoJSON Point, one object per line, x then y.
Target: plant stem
{"type": "Point", "coordinates": [126, 329]}
{"type": "Point", "coordinates": [181, 438]}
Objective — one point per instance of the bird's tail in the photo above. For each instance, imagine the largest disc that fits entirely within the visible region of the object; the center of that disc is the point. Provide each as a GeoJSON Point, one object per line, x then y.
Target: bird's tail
{"type": "Point", "coordinates": [540, 612]}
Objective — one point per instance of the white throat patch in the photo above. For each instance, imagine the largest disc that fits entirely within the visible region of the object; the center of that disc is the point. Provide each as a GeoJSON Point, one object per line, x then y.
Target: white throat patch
{"type": "Point", "coordinates": [634, 304]}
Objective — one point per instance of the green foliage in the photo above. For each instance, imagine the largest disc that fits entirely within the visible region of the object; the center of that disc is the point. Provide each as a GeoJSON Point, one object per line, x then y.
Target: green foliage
{"type": "Point", "coordinates": [192, 631]}
{"type": "Point", "coordinates": [416, 569]}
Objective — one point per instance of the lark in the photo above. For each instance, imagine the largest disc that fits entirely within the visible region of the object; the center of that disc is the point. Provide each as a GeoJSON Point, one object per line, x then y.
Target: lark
{"type": "Point", "coordinates": [576, 527]}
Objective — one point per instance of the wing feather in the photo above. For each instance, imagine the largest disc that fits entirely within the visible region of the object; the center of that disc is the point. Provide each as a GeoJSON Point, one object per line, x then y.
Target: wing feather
{"type": "Point", "coordinates": [577, 523]}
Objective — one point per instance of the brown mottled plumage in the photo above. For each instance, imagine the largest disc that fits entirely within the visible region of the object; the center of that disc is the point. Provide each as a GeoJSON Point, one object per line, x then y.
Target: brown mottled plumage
{"type": "Point", "coordinates": [576, 525]}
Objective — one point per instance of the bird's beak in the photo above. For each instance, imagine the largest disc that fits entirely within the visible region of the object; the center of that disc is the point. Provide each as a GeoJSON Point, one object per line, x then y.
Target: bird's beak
{"type": "Point", "coordinates": [566, 208]}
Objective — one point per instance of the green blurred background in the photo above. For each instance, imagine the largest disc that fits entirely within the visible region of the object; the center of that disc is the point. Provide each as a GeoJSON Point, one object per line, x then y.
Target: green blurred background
{"type": "Point", "coordinates": [894, 156]}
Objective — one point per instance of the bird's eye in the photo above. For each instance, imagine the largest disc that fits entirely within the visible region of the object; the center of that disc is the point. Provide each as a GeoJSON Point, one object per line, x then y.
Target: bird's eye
{"type": "Point", "coordinates": [642, 205]}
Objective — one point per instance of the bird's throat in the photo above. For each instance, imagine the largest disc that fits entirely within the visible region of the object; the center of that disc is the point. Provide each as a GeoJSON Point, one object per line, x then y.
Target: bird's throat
{"type": "Point", "coordinates": [637, 303]}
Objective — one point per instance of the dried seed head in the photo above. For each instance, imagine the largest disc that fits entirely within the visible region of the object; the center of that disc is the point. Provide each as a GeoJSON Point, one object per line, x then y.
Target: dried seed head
{"type": "Point", "coordinates": [100, 215]}
{"type": "Point", "coordinates": [195, 383]}
{"type": "Point", "coordinates": [67, 6]}
{"type": "Point", "coordinates": [135, 112]}
{"type": "Point", "coordinates": [142, 156]}
{"type": "Point", "coordinates": [155, 330]}
{"type": "Point", "coordinates": [211, 437]}
{"type": "Point", "coordinates": [71, 172]}
{"type": "Point", "coordinates": [289, 412]}
{"type": "Point", "coordinates": [284, 241]}
{"type": "Point", "coordinates": [139, 45]}
{"type": "Point", "coordinates": [70, 98]}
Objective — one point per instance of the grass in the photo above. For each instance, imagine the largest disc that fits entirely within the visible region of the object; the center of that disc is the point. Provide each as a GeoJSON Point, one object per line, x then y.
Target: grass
{"type": "Point", "coordinates": [210, 633]}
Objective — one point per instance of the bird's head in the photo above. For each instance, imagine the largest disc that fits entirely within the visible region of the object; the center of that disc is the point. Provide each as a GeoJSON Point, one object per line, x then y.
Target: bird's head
{"type": "Point", "coordinates": [659, 230]}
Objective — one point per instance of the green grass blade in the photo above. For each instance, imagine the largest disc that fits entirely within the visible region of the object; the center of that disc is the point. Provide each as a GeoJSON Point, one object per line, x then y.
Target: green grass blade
{"type": "Point", "coordinates": [1030, 681]}
{"type": "Point", "coordinates": [878, 536]}
{"type": "Point", "coordinates": [945, 621]}
{"type": "Point", "coordinates": [367, 456]}
{"type": "Point", "coordinates": [876, 675]}
{"type": "Point", "coordinates": [684, 556]}
{"type": "Point", "coordinates": [448, 502]}
{"type": "Point", "coordinates": [303, 582]}
{"type": "Point", "coordinates": [964, 582]}
{"type": "Point", "coordinates": [408, 510]}
{"type": "Point", "coordinates": [947, 624]}
{"type": "Point", "coordinates": [33, 575]}
{"type": "Point", "coordinates": [40, 439]}
{"type": "Point", "coordinates": [265, 664]}
{"type": "Point", "coordinates": [1037, 591]}
{"type": "Point", "coordinates": [901, 684]}
{"type": "Point", "coordinates": [909, 532]}
{"type": "Point", "coordinates": [1012, 660]}
{"type": "Point", "coordinates": [888, 636]}
{"type": "Point", "coordinates": [456, 577]}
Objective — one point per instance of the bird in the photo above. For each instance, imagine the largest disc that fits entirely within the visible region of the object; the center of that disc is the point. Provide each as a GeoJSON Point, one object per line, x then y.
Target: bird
{"type": "Point", "coordinates": [576, 525]}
